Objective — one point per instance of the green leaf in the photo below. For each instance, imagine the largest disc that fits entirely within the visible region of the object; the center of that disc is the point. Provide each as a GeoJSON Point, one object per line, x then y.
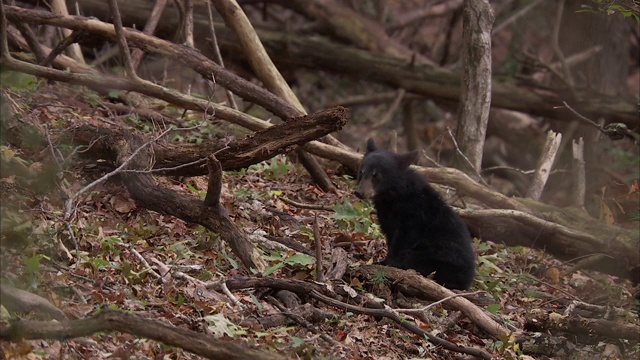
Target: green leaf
{"type": "Point", "coordinates": [18, 81]}
{"type": "Point", "coordinates": [114, 94]}
{"type": "Point", "coordinates": [345, 211]}
{"type": "Point", "coordinates": [299, 259]}
{"type": "Point", "coordinates": [257, 303]}
{"type": "Point", "coordinates": [232, 262]}
{"type": "Point", "coordinates": [98, 263]}
{"type": "Point", "coordinates": [32, 264]}
{"type": "Point", "coordinates": [493, 308]}
{"type": "Point", "coordinates": [271, 269]}
{"type": "Point", "coordinates": [296, 341]}
{"type": "Point", "coordinates": [274, 256]}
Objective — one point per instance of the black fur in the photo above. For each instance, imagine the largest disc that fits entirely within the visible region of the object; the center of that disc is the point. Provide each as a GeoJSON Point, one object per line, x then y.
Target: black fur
{"type": "Point", "coordinates": [423, 232]}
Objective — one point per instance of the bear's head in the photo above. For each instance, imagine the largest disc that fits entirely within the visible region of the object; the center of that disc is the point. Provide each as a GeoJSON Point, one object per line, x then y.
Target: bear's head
{"type": "Point", "coordinates": [381, 170]}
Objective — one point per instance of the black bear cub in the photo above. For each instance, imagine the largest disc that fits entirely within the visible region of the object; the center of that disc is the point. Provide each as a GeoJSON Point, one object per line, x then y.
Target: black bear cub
{"type": "Point", "coordinates": [423, 232]}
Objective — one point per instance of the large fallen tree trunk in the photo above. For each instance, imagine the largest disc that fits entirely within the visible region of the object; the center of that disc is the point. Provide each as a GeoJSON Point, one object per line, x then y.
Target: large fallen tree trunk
{"type": "Point", "coordinates": [569, 234]}
{"type": "Point", "coordinates": [426, 80]}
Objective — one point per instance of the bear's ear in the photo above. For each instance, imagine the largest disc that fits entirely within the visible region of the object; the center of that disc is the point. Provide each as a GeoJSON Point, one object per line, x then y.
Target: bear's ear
{"type": "Point", "coordinates": [404, 160]}
{"type": "Point", "coordinates": [371, 146]}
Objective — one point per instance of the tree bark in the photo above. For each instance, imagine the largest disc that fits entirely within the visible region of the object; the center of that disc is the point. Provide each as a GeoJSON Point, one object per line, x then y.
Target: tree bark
{"type": "Point", "coordinates": [260, 146]}
{"type": "Point", "coordinates": [567, 234]}
{"type": "Point", "coordinates": [475, 97]}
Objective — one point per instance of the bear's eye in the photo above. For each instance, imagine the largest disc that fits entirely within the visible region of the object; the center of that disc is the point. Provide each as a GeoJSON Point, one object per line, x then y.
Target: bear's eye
{"type": "Point", "coordinates": [375, 175]}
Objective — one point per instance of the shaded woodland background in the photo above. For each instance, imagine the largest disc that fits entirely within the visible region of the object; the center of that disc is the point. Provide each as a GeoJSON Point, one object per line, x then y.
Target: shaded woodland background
{"type": "Point", "coordinates": [198, 199]}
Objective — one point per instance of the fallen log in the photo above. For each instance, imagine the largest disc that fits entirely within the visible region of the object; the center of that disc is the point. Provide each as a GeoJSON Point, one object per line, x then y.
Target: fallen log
{"type": "Point", "coordinates": [235, 155]}
{"type": "Point", "coordinates": [109, 320]}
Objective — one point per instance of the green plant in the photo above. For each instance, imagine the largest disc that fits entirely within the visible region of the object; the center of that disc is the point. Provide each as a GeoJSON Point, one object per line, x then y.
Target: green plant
{"type": "Point", "coordinates": [182, 250]}
{"type": "Point", "coordinates": [18, 81]}
{"type": "Point", "coordinates": [178, 301]}
{"type": "Point", "coordinates": [110, 243]}
{"type": "Point", "coordinates": [32, 269]}
{"type": "Point", "coordinates": [613, 6]}
{"type": "Point", "coordinates": [493, 308]}
{"type": "Point", "coordinates": [97, 263]}
{"type": "Point", "coordinates": [201, 193]}
{"type": "Point", "coordinates": [507, 346]}
{"type": "Point", "coordinates": [274, 169]}
{"type": "Point", "coordinates": [296, 259]}
{"type": "Point", "coordinates": [355, 217]}
{"type": "Point", "coordinates": [379, 277]}
{"type": "Point", "coordinates": [491, 274]}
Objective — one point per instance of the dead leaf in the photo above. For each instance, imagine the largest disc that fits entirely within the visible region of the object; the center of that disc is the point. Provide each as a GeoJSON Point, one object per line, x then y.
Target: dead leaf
{"type": "Point", "coordinates": [553, 274]}
{"type": "Point", "coordinates": [349, 290]}
{"type": "Point", "coordinates": [123, 205]}
{"type": "Point", "coordinates": [607, 215]}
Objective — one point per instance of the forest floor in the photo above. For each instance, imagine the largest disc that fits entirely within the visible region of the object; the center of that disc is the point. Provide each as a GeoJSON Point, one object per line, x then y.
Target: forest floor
{"type": "Point", "coordinates": [113, 235]}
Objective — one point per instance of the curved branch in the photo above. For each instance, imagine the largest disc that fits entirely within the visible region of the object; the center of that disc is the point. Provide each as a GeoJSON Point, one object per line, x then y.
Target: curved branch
{"type": "Point", "coordinates": [109, 320]}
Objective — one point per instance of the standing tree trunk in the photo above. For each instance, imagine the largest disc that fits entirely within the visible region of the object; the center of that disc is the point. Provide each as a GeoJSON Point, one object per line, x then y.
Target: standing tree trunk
{"type": "Point", "coordinates": [475, 99]}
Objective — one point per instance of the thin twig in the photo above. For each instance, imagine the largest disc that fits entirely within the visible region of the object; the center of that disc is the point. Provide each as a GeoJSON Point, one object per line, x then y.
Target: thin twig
{"type": "Point", "coordinates": [122, 41]}
{"type": "Point", "coordinates": [553, 287]}
{"type": "Point", "coordinates": [455, 144]}
{"type": "Point", "coordinates": [60, 7]}
{"type": "Point", "coordinates": [302, 321]}
{"type": "Point", "coordinates": [62, 45]}
{"type": "Point", "coordinates": [306, 206]}
{"type": "Point", "coordinates": [518, 14]}
{"type": "Point", "coordinates": [173, 168]}
{"type": "Point", "coordinates": [583, 118]}
{"type": "Point", "coordinates": [233, 299]}
{"type": "Point", "coordinates": [318, 243]}
{"type": "Point", "coordinates": [147, 266]}
{"type": "Point", "coordinates": [424, 309]}
{"type": "Point", "coordinates": [493, 168]}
